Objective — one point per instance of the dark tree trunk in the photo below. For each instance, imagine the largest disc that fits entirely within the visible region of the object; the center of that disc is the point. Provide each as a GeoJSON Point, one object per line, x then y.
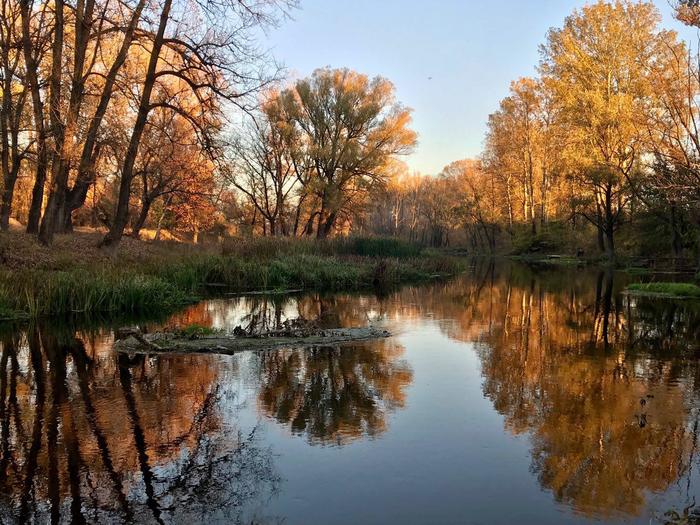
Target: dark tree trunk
{"type": "Point", "coordinates": [57, 126]}
{"type": "Point", "coordinates": [32, 69]}
{"type": "Point", "coordinates": [121, 216]}
{"type": "Point", "coordinates": [57, 212]}
{"type": "Point", "coordinates": [8, 195]}
{"type": "Point", "coordinates": [141, 219]}
{"type": "Point", "coordinates": [609, 225]}
{"type": "Point", "coordinates": [599, 225]}
{"type": "Point", "coordinates": [326, 227]}
{"type": "Point", "coordinates": [5, 110]}
{"type": "Point", "coordinates": [676, 241]}
{"type": "Point", "coordinates": [86, 168]}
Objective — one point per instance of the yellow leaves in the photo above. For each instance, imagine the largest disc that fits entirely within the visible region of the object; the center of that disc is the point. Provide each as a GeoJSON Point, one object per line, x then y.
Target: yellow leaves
{"type": "Point", "coordinates": [598, 69]}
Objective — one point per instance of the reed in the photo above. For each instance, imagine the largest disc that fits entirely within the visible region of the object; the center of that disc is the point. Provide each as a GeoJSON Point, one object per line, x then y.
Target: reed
{"type": "Point", "coordinates": [167, 281]}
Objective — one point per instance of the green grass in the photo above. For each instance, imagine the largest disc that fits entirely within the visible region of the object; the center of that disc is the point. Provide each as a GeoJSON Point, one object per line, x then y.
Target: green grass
{"type": "Point", "coordinates": [271, 247]}
{"type": "Point", "coordinates": [168, 282]}
{"type": "Point", "coordinates": [46, 293]}
{"type": "Point", "coordinates": [684, 290]}
{"type": "Point", "coordinates": [195, 331]}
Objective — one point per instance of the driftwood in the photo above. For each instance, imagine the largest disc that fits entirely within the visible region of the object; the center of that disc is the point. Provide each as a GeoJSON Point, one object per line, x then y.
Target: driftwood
{"type": "Point", "coordinates": [167, 342]}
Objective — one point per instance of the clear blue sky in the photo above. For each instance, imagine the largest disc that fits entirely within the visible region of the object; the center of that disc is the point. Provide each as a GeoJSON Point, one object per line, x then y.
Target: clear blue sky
{"type": "Point", "coordinates": [472, 49]}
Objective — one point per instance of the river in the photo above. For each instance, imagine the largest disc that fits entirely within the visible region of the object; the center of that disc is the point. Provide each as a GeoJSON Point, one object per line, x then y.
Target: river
{"type": "Point", "coordinates": [506, 395]}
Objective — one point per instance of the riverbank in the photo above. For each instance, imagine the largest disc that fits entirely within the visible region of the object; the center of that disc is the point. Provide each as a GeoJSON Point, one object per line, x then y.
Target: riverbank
{"type": "Point", "coordinates": [75, 277]}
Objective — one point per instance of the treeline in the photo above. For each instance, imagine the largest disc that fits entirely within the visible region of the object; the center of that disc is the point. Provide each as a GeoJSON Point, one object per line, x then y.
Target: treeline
{"type": "Point", "coordinates": [127, 116]}
{"type": "Point", "coordinates": [600, 153]}
{"type": "Point", "coordinates": [607, 134]}
{"type": "Point", "coordinates": [602, 146]}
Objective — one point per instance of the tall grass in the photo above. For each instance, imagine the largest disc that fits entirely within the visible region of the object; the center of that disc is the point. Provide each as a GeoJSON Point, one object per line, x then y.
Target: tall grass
{"type": "Point", "coordinates": [269, 247]}
{"type": "Point", "coordinates": [43, 293]}
{"type": "Point", "coordinates": [166, 282]}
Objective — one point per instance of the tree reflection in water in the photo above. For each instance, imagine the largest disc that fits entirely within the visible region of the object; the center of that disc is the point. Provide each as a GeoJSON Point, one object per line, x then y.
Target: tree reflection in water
{"type": "Point", "coordinates": [604, 387]}
{"type": "Point", "coordinates": [334, 395]}
{"type": "Point", "coordinates": [328, 394]}
{"type": "Point", "coordinates": [89, 436]}
{"type": "Point", "coordinates": [605, 384]}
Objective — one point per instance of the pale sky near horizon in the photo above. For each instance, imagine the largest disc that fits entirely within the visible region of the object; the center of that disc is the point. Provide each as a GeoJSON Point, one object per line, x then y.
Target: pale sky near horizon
{"type": "Point", "coordinates": [451, 60]}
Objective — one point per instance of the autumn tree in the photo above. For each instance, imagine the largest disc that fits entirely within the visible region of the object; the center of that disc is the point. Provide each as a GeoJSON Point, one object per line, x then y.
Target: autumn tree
{"type": "Point", "coordinates": [170, 167]}
{"type": "Point", "coordinates": [351, 128]}
{"type": "Point", "coordinates": [267, 169]}
{"type": "Point", "coordinates": [67, 70]}
{"type": "Point", "coordinates": [596, 66]}
{"type": "Point", "coordinates": [214, 60]}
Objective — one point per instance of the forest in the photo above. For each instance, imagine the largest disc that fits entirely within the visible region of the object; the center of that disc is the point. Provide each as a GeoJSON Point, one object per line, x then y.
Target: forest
{"type": "Point", "coordinates": [229, 295]}
{"type": "Point", "coordinates": [171, 120]}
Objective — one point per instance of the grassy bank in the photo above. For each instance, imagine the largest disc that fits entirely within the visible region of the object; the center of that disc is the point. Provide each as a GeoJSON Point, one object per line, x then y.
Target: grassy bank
{"type": "Point", "coordinates": [80, 279]}
{"type": "Point", "coordinates": [671, 290]}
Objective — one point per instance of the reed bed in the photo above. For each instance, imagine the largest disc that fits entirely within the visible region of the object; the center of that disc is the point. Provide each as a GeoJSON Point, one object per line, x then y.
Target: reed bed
{"type": "Point", "coordinates": [172, 279]}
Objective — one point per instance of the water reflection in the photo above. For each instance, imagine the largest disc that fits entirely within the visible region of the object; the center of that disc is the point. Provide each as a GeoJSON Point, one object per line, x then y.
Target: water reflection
{"type": "Point", "coordinates": [605, 386]}
{"type": "Point", "coordinates": [602, 387]}
{"type": "Point", "coordinates": [89, 436]}
{"type": "Point", "coordinates": [334, 395]}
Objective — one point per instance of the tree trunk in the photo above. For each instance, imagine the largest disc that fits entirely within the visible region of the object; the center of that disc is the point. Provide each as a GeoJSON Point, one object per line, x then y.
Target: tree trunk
{"type": "Point", "coordinates": [5, 110]}
{"type": "Point", "coordinates": [57, 211]}
{"type": "Point", "coordinates": [609, 225]}
{"type": "Point", "coordinates": [57, 128]}
{"type": "Point", "coordinates": [326, 227]}
{"type": "Point", "coordinates": [90, 153]}
{"type": "Point", "coordinates": [156, 237]}
{"type": "Point", "coordinates": [599, 224]}
{"type": "Point", "coordinates": [121, 217]}
{"type": "Point", "coordinates": [32, 69]}
{"type": "Point", "coordinates": [141, 219]}
{"type": "Point", "coordinates": [8, 192]}
{"type": "Point", "coordinates": [676, 242]}
{"type": "Point", "coordinates": [8, 195]}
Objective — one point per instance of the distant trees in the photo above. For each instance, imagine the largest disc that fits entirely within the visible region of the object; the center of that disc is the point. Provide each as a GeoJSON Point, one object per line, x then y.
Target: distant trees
{"type": "Point", "coordinates": [459, 204]}
{"type": "Point", "coordinates": [605, 137]}
{"type": "Point", "coordinates": [523, 151]}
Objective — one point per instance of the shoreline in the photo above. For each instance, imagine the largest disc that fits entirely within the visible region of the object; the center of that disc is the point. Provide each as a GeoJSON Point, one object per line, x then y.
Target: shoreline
{"type": "Point", "coordinates": [151, 277]}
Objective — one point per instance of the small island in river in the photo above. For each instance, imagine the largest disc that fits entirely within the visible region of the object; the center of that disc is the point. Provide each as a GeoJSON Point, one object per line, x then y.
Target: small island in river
{"type": "Point", "coordinates": [135, 342]}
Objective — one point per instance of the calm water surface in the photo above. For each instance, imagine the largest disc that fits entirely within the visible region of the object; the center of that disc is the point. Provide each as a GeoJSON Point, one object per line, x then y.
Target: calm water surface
{"type": "Point", "coordinates": [507, 395]}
